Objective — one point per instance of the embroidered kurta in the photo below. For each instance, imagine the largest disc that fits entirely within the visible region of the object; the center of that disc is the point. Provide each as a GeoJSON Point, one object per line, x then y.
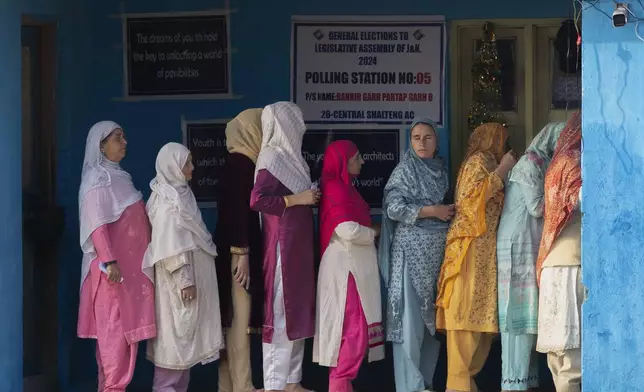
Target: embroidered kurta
{"type": "Point", "coordinates": [238, 226]}
{"type": "Point", "coordinates": [128, 239]}
{"type": "Point", "coordinates": [467, 296]}
{"type": "Point", "coordinates": [188, 332]}
{"type": "Point", "coordinates": [519, 235]}
{"type": "Point", "coordinates": [517, 248]}
{"type": "Point", "coordinates": [292, 229]}
{"type": "Point", "coordinates": [351, 251]}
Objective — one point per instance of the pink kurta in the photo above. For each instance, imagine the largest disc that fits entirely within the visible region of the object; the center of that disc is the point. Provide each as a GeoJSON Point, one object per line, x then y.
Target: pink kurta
{"type": "Point", "coordinates": [125, 241]}
{"type": "Point", "coordinates": [292, 228]}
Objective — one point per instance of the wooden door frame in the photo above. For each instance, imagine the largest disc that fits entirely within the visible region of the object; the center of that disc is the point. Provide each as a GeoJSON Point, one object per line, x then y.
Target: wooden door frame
{"type": "Point", "coordinates": [48, 381]}
{"type": "Point", "coordinates": [49, 77]}
{"type": "Point", "coordinates": [456, 27]}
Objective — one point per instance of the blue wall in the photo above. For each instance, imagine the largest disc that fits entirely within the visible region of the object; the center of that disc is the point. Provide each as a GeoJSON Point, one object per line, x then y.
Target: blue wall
{"type": "Point", "coordinates": [92, 75]}
{"type": "Point", "coordinates": [613, 223]}
{"type": "Point", "coordinates": [10, 201]}
{"type": "Point", "coordinates": [71, 81]}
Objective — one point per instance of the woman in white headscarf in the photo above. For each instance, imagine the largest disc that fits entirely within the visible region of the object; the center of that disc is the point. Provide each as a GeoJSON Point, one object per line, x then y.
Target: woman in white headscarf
{"type": "Point", "coordinates": [283, 195]}
{"type": "Point", "coordinates": [182, 254]}
{"type": "Point", "coordinates": [116, 297]}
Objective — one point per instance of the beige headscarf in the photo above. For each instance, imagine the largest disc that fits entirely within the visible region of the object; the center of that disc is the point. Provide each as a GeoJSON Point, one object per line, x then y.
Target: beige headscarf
{"type": "Point", "coordinates": [244, 133]}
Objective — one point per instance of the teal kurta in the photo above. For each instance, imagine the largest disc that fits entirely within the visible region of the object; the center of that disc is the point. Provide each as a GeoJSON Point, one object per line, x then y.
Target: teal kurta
{"type": "Point", "coordinates": [517, 248]}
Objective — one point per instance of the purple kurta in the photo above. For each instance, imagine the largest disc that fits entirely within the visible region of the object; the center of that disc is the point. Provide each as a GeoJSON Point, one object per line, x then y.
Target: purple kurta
{"type": "Point", "coordinates": [293, 228]}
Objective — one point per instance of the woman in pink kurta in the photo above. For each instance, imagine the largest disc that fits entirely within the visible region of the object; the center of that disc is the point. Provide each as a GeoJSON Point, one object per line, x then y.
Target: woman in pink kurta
{"type": "Point", "coordinates": [116, 296]}
{"type": "Point", "coordinates": [283, 194]}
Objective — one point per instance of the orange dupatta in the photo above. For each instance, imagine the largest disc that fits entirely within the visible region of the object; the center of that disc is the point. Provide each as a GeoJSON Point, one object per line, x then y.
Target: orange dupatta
{"type": "Point", "coordinates": [562, 184]}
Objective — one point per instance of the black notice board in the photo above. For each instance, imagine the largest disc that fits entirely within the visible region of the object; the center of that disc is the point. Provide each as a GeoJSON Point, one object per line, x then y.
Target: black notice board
{"type": "Point", "coordinates": [177, 55]}
{"type": "Point", "coordinates": [380, 149]}
{"type": "Point", "coordinates": [207, 143]}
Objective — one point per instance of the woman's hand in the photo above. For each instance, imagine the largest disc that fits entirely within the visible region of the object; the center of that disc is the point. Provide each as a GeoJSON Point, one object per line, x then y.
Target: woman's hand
{"type": "Point", "coordinates": [307, 198]}
{"type": "Point", "coordinates": [439, 211]}
{"type": "Point", "coordinates": [377, 228]}
{"type": "Point", "coordinates": [242, 273]}
{"type": "Point", "coordinates": [445, 212]}
{"type": "Point", "coordinates": [114, 273]}
{"type": "Point", "coordinates": [507, 163]}
{"type": "Point", "coordinates": [189, 293]}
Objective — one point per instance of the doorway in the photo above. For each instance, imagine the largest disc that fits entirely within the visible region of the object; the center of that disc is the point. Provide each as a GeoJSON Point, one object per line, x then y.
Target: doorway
{"type": "Point", "coordinates": [42, 220]}
{"type": "Point", "coordinates": [528, 73]}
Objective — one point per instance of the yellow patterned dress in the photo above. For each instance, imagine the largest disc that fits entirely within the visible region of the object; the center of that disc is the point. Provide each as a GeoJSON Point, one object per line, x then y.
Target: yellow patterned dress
{"type": "Point", "coordinates": [467, 289]}
{"type": "Point", "coordinates": [466, 304]}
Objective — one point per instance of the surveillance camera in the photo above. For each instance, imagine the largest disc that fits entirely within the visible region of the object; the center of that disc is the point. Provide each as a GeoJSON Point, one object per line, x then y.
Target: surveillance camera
{"type": "Point", "coordinates": [620, 15]}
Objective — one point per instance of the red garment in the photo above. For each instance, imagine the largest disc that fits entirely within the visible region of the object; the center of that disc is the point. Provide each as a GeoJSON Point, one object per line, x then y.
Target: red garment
{"type": "Point", "coordinates": [562, 184]}
{"type": "Point", "coordinates": [340, 200]}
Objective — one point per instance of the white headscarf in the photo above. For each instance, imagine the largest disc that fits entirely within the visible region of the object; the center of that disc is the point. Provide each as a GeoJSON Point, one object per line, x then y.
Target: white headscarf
{"type": "Point", "coordinates": [177, 225]}
{"type": "Point", "coordinates": [281, 153]}
{"type": "Point", "coordinates": [105, 192]}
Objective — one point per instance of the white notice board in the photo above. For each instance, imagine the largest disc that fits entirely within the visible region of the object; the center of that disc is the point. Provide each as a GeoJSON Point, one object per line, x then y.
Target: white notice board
{"type": "Point", "coordinates": [377, 70]}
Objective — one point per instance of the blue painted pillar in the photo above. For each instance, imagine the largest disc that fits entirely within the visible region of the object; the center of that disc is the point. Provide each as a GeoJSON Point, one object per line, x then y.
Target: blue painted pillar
{"type": "Point", "coordinates": [613, 201]}
{"type": "Point", "coordinates": [10, 200]}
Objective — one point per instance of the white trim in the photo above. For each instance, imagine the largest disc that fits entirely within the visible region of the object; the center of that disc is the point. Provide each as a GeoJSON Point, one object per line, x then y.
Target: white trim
{"type": "Point", "coordinates": [210, 121]}
{"type": "Point", "coordinates": [367, 18]}
{"type": "Point", "coordinates": [178, 97]}
{"type": "Point", "coordinates": [211, 12]}
{"type": "Point", "coordinates": [125, 47]}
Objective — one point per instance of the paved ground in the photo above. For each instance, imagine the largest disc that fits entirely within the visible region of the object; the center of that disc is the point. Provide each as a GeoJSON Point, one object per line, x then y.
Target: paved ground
{"type": "Point", "coordinates": [374, 377]}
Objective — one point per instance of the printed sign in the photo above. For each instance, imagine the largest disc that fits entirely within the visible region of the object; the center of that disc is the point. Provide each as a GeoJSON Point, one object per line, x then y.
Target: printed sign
{"type": "Point", "coordinates": [385, 72]}
{"type": "Point", "coordinates": [380, 150]}
{"type": "Point", "coordinates": [207, 143]}
{"type": "Point", "coordinates": [177, 55]}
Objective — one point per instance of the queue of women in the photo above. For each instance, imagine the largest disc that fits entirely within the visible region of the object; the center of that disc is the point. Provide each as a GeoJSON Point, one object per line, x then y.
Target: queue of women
{"type": "Point", "coordinates": [503, 259]}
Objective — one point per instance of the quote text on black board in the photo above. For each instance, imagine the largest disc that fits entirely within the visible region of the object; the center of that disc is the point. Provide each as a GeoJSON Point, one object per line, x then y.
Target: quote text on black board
{"type": "Point", "coordinates": [182, 55]}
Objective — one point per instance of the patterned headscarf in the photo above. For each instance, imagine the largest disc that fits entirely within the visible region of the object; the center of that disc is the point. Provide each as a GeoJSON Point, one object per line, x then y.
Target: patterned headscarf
{"type": "Point", "coordinates": [562, 185]}
{"type": "Point", "coordinates": [488, 138]}
{"type": "Point", "coordinates": [281, 154]}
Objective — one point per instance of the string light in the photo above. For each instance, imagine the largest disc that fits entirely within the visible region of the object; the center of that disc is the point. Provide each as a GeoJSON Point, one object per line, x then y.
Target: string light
{"type": "Point", "coordinates": [486, 78]}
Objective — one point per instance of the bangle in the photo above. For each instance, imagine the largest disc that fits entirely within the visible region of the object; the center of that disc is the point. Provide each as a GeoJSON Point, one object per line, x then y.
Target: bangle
{"type": "Point", "coordinates": [238, 251]}
{"type": "Point", "coordinates": [286, 203]}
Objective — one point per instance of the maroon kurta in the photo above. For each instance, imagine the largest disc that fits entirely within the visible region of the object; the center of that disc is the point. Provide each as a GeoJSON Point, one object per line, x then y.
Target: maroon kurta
{"type": "Point", "coordinates": [293, 228]}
